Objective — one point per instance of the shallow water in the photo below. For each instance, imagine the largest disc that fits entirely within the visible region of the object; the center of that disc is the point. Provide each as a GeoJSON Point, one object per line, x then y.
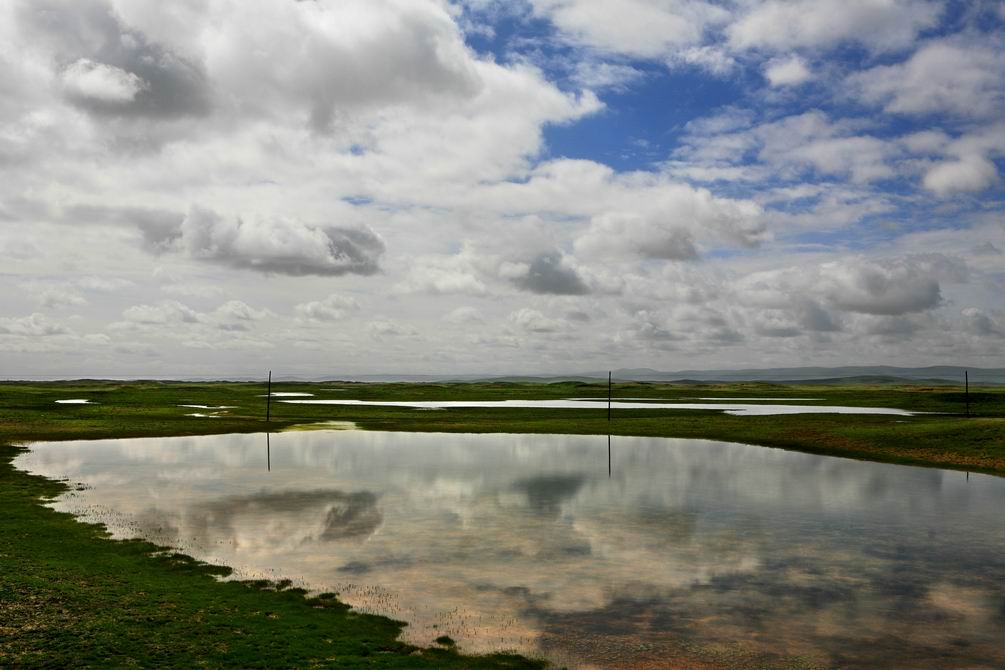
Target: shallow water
{"type": "Point", "coordinates": [76, 401]}
{"type": "Point", "coordinates": [649, 552]}
{"type": "Point", "coordinates": [210, 406]}
{"type": "Point", "coordinates": [736, 409]}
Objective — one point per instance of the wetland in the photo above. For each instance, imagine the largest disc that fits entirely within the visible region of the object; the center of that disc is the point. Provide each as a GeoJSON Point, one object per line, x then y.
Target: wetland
{"type": "Point", "coordinates": [503, 529]}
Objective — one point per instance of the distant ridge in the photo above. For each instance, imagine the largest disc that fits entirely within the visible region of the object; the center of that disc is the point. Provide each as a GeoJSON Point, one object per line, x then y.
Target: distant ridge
{"type": "Point", "coordinates": [860, 374]}
{"type": "Point", "coordinates": [873, 374]}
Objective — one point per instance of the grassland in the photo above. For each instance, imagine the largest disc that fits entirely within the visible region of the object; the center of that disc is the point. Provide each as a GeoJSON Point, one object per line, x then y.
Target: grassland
{"type": "Point", "coordinates": [70, 597]}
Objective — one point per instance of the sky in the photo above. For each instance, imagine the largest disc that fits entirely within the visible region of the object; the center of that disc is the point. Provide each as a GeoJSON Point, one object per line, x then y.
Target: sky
{"type": "Point", "coordinates": [322, 187]}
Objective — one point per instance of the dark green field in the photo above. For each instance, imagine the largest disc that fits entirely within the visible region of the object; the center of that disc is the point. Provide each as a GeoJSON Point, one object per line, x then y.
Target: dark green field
{"type": "Point", "coordinates": [70, 598]}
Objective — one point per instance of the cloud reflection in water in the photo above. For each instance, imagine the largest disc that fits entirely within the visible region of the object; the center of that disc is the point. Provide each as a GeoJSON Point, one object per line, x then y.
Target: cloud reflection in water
{"type": "Point", "coordinates": [708, 553]}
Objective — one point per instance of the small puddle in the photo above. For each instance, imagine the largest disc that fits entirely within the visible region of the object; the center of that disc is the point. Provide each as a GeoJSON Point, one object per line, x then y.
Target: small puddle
{"type": "Point", "coordinates": [76, 401]}
{"type": "Point", "coordinates": [209, 406]}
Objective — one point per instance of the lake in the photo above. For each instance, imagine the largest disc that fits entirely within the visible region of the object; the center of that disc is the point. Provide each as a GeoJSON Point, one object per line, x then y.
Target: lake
{"type": "Point", "coordinates": [726, 406]}
{"type": "Point", "coordinates": [591, 551]}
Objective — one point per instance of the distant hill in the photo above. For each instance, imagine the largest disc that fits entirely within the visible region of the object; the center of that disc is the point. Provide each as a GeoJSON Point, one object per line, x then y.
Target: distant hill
{"type": "Point", "coordinates": [877, 374]}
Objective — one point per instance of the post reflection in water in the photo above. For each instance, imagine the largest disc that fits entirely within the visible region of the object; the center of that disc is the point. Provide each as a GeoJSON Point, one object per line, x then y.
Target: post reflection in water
{"type": "Point", "coordinates": [700, 554]}
{"type": "Point", "coordinates": [268, 452]}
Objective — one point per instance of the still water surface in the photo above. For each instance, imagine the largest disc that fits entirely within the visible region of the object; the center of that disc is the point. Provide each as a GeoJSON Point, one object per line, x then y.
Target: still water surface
{"type": "Point", "coordinates": [651, 553]}
{"type": "Point", "coordinates": [734, 408]}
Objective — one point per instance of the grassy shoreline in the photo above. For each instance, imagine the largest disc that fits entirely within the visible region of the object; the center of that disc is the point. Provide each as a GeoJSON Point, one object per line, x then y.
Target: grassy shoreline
{"type": "Point", "coordinates": [70, 597]}
{"type": "Point", "coordinates": [943, 437]}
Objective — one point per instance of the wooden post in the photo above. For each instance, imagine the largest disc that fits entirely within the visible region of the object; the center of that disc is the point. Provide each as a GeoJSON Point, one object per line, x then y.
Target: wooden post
{"type": "Point", "coordinates": [966, 381]}
{"type": "Point", "coordinates": [609, 396]}
{"type": "Point", "coordinates": [268, 399]}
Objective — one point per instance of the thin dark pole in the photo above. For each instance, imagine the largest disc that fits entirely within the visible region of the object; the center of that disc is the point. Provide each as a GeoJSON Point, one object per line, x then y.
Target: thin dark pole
{"type": "Point", "coordinates": [608, 455]}
{"type": "Point", "coordinates": [268, 399]}
{"type": "Point", "coordinates": [608, 396]}
{"type": "Point", "coordinates": [268, 452]}
{"type": "Point", "coordinates": [966, 381]}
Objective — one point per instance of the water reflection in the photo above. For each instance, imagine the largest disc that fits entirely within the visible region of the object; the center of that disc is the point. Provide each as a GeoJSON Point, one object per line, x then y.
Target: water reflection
{"type": "Point", "coordinates": [698, 553]}
{"type": "Point", "coordinates": [734, 408]}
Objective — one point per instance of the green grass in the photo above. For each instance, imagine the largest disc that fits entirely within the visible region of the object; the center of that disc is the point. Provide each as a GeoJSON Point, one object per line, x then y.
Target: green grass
{"type": "Point", "coordinates": [68, 596]}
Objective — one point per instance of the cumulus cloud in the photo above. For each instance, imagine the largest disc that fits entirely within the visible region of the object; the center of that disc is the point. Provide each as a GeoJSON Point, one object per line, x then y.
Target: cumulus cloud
{"type": "Point", "coordinates": [891, 287]}
{"type": "Point", "coordinates": [55, 295]}
{"type": "Point", "coordinates": [114, 70]}
{"type": "Point", "coordinates": [548, 272]}
{"type": "Point", "coordinates": [634, 235]}
{"type": "Point", "coordinates": [415, 52]}
{"type": "Point", "coordinates": [978, 322]}
{"type": "Point", "coordinates": [794, 300]}
{"type": "Point", "coordinates": [788, 147]}
{"type": "Point", "coordinates": [966, 174]}
{"type": "Point", "coordinates": [965, 77]}
{"type": "Point", "coordinates": [158, 228]}
{"type": "Point", "coordinates": [236, 310]}
{"type": "Point", "coordinates": [33, 325]}
{"type": "Point", "coordinates": [812, 139]}
{"type": "Point", "coordinates": [600, 75]}
{"type": "Point", "coordinates": [647, 28]}
{"type": "Point", "coordinates": [86, 80]}
{"type": "Point", "coordinates": [166, 312]}
{"type": "Point", "coordinates": [714, 60]}
{"type": "Point", "coordinates": [465, 315]}
{"type": "Point", "coordinates": [443, 275]}
{"type": "Point", "coordinates": [790, 71]}
{"type": "Point", "coordinates": [370, 148]}
{"type": "Point", "coordinates": [280, 246]}
{"type": "Point", "coordinates": [381, 328]}
{"type": "Point", "coordinates": [531, 320]}
{"type": "Point", "coordinates": [880, 25]}
{"type": "Point", "coordinates": [333, 308]}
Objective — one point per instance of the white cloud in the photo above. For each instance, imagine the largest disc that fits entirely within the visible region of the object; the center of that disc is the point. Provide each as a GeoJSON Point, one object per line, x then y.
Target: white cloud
{"type": "Point", "coordinates": [790, 71]}
{"type": "Point", "coordinates": [236, 310]}
{"type": "Point", "coordinates": [100, 82]}
{"type": "Point", "coordinates": [381, 328]}
{"type": "Point", "coordinates": [880, 25]}
{"type": "Point", "coordinates": [533, 321]}
{"type": "Point", "coordinates": [634, 235]}
{"type": "Point", "coordinates": [790, 147]}
{"type": "Point", "coordinates": [365, 148]}
{"type": "Point", "coordinates": [979, 322]}
{"type": "Point", "coordinates": [712, 59]}
{"type": "Point", "coordinates": [333, 308]}
{"type": "Point", "coordinates": [281, 245]}
{"type": "Point", "coordinates": [33, 325]}
{"type": "Point", "coordinates": [891, 287]}
{"type": "Point", "coordinates": [599, 74]}
{"type": "Point", "coordinates": [166, 312]}
{"type": "Point", "coordinates": [465, 315]}
{"type": "Point", "coordinates": [960, 76]}
{"type": "Point", "coordinates": [813, 140]}
{"type": "Point", "coordinates": [647, 28]}
{"type": "Point", "coordinates": [965, 174]}
{"type": "Point", "coordinates": [443, 275]}
{"type": "Point", "coordinates": [926, 141]}
{"type": "Point", "coordinates": [812, 298]}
